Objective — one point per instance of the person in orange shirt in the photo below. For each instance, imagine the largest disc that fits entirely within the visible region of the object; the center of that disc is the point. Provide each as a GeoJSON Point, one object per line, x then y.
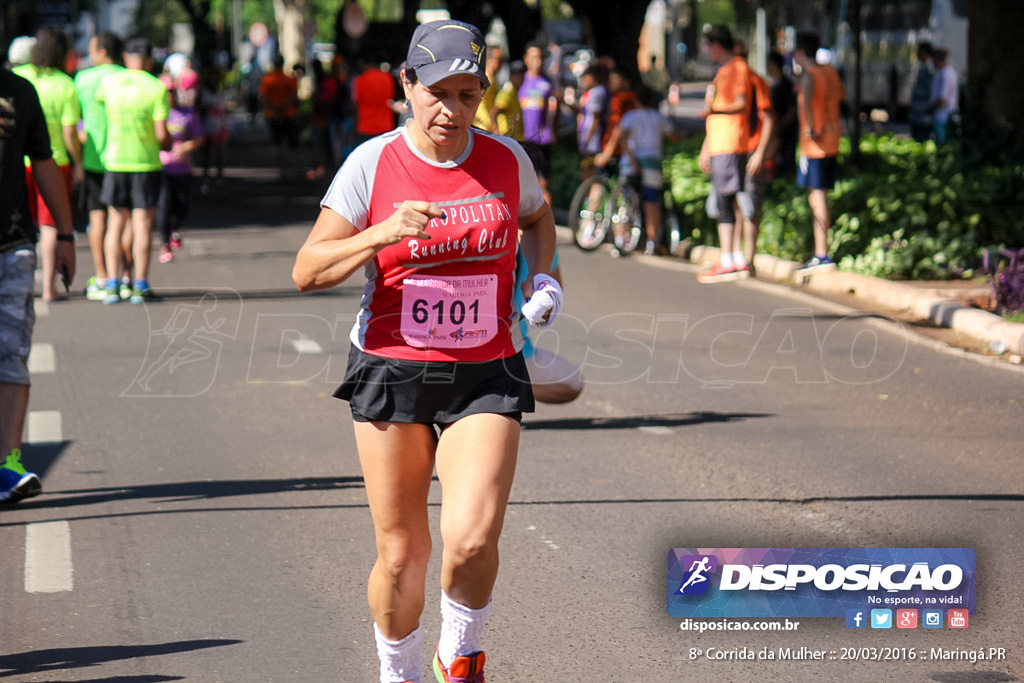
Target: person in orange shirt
{"type": "Point", "coordinates": [279, 96]}
{"type": "Point", "coordinates": [819, 94]}
{"type": "Point", "coordinates": [761, 123]}
{"type": "Point", "coordinates": [724, 152]}
{"type": "Point", "coordinates": [373, 92]}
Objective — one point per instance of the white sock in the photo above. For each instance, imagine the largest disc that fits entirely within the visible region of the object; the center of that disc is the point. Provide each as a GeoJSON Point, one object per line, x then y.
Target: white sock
{"type": "Point", "coordinates": [462, 630]}
{"type": "Point", "coordinates": [400, 660]}
{"type": "Point", "coordinates": [738, 259]}
{"type": "Point", "coordinates": [726, 260]}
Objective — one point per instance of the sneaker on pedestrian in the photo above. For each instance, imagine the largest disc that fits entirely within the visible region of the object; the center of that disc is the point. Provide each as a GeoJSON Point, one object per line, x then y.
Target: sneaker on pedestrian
{"type": "Point", "coordinates": [141, 295]}
{"type": "Point", "coordinates": [816, 264]}
{"type": "Point", "coordinates": [125, 289]}
{"type": "Point", "coordinates": [112, 295]}
{"type": "Point", "coordinates": [650, 248]}
{"type": "Point", "coordinates": [94, 291]}
{"type": "Point", "coordinates": [15, 482]}
{"type": "Point", "coordinates": [175, 240]}
{"type": "Point", "coordinates": [719, 273]}
{"type": "Point", "coordinates": [166, 253]}
{"type": "Point", "coordinates": [465, 669]}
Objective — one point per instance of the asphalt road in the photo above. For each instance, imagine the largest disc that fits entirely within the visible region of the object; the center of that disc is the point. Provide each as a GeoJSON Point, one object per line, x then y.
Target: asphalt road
{"type": "Point", "coordinates": [204, 517]}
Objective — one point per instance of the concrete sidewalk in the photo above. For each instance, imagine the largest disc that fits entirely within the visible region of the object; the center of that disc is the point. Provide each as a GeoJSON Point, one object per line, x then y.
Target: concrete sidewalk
{"type": "Point", "coordinates": [933, 302]}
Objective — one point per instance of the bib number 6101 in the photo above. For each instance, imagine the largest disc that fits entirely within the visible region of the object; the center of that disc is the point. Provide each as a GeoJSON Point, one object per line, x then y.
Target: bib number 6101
{"type": "Point", "coordinates": [456, 313]}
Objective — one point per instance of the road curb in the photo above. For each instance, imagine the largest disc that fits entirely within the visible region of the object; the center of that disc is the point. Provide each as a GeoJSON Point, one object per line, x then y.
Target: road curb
{"type": "Point", "coordinates": [987, 328]}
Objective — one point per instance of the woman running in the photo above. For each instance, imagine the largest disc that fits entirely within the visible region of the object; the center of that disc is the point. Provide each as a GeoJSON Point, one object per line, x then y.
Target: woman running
{"type": "Point", "coordinates": [436, 378]}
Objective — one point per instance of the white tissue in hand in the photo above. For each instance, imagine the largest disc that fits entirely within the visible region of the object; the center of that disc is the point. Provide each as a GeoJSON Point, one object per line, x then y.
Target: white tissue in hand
{"type": "Point", "coordinates": [546, 299]}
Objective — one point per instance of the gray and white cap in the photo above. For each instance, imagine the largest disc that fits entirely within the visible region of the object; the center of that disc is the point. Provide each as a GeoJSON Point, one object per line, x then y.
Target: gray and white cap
{"type": "Point", "coordinates": [445, 48]}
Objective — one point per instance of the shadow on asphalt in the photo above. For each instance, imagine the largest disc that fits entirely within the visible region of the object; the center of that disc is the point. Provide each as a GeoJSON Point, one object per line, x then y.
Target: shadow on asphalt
{"type": "Point", "coordinates": [38, 661]}
{"type": "Point", "coordinates": [669, 420]}
{"type": "Point", "coordinates": [42, 455]}
{"type": "Point", "coordinates": [182, 491]}
{"type": "Point", "coordinates": [255, 295]}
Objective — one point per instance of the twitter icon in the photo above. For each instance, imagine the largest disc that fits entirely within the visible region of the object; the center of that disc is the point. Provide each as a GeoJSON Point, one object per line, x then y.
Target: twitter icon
{"type": "Point", "coordinates": [881, 618]}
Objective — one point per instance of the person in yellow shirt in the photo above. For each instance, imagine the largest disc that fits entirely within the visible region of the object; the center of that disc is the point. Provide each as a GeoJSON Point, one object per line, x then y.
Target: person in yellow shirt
{"type": "Point", "coordinates": [59, 100]}
{"type": "Point", "coordinates": [484, 118]}
{"type": "Point", "coordinates": [507, 113]}
{"type": "Point", "coordinates": [819, 95]}
{"type": "Point", "coordinates": [724, 152]}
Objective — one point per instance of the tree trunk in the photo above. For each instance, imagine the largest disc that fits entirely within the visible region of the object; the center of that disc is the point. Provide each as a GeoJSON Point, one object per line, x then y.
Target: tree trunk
{"type": "Point", "coordinates": [615, 27]}
{"type": "Point", "coordinates": [994, 44]}
{"type": "Point", "coordinates": [291, 42]}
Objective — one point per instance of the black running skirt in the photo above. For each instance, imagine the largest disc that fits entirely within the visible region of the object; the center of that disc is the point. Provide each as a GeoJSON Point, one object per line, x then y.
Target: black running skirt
{"type": "Point", "coordinates": [436, 393]}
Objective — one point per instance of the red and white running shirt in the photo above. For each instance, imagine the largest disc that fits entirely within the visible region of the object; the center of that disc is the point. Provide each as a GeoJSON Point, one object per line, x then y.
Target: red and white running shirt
{"type": "Point", "coordinates": [449, 298]}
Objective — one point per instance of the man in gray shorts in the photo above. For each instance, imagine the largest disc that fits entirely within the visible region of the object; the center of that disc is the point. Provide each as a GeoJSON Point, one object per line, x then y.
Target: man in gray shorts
{"type": "Point", "coordinates": [23, 133]}
{"type": "Point", "coordinates": [724, 152]}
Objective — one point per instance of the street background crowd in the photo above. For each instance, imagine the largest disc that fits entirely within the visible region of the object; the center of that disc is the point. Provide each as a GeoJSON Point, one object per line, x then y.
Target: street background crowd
{"type": "Point", "coordinates": [574, 115]}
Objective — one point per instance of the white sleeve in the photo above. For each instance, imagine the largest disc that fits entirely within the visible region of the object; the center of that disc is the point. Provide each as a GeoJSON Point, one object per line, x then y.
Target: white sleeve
{"type": "Point", "coordinates": [350, 191]}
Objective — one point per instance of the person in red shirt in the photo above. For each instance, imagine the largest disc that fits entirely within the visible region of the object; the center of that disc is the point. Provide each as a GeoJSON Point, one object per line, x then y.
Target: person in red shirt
{"type": "Point", "coordinates": [373, 92]}
{"type": "Point", "coordinates": [279, 95]}
{"type": "Point", "coordinates": [430, 213]}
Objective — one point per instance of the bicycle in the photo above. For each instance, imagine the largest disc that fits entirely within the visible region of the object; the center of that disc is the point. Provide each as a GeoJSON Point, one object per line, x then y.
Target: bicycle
{"type": "Point", "coordinates": [670, 235]}
{"type": "Point", "coordinates": [599, 205]}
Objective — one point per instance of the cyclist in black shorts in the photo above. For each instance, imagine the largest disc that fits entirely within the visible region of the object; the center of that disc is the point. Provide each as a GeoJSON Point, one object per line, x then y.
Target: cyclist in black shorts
{"type": "Point", "coordinates": [431, 212]}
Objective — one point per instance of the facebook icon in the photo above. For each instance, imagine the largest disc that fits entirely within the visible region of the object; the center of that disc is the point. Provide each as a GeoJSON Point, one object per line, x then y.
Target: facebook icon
{"type": "Point", "coordinates": [855, 618]}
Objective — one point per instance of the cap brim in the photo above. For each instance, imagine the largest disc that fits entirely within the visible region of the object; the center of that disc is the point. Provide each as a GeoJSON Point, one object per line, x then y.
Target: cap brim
{"type": "Point", "coordinates": [429, 74]}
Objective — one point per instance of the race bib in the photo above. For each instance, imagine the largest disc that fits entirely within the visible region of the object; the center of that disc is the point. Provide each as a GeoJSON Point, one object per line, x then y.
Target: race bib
{"type": "Point", "coordinates": [449, 311]}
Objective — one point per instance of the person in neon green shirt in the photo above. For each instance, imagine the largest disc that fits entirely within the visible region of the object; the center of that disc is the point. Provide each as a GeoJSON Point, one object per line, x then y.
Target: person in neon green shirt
{"type": "Point", "coordinates": [106, 50]}
{"type": "Point", "coordinates": [137, 106]}
{"type": "Point", "coordinates": [57, 96]}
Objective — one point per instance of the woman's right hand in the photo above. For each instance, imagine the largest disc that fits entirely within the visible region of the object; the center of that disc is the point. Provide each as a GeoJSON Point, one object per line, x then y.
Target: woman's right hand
{"type": "Point", "coordinates": [409, 220]}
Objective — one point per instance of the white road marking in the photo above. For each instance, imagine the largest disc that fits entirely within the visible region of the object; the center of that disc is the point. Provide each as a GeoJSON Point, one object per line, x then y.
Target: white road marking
{"type": "Point", "coordinates": [44, 426]}
{"type": "Point", "coordinates": [42, 359]}
{"type": "Point", "coordinates": [306, 345]}
{"type": "Point", "coordinates": [657, 430]}
{"type": "Point", "coordinates": [48, 557]}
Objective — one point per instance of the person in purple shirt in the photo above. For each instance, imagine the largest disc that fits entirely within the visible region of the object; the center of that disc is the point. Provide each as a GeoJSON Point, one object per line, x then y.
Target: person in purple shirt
{"type": "Point", "coordinates": [187, 135]}
{"type": "Point", "coordinates": [539, 103]}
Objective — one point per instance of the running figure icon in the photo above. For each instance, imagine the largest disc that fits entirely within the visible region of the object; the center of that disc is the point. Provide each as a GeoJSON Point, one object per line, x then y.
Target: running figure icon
{"type": "Point", "coordinates": [697, 570]}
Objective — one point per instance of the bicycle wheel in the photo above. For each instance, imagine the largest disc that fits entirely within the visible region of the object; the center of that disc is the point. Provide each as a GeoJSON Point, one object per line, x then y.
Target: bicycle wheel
{"type": "Point", "coordinates": [629, 216]}
{"type": "Point", "coordinates": [672, 236]}
{"type": "Point", "coordinates": [588, 215]}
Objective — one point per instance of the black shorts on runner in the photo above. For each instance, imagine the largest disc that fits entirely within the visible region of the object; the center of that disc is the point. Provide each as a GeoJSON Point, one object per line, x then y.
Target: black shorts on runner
{"type": "Point", "coordinates": [434, 393]}
{"type": "Point", "coordinates": [131, 190]}
{"type": "Point", "coordinates": [92, 186]}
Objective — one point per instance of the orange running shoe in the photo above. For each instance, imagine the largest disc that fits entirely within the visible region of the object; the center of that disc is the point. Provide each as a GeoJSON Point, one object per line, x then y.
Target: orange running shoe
{"type": "Point", "coordinates": [465, 669]}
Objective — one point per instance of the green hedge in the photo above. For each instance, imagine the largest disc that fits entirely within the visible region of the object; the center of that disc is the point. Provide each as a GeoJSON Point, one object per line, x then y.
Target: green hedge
{"type": "Point", "coordinates": [905, 210]}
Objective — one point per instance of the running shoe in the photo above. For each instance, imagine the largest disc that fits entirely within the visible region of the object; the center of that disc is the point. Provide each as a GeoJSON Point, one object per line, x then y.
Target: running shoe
{"type": "Point", "coordinates": [15, 482]}
{"type": "Point", "coordinates": [112, 296]}
{"type": "Point", "coordinates": [175, 240]}
{"type": "Point", "coordinates": [817, 264]}
{"type": "Point", "coordinates": [650, 249]}
{"type": "Point", "coordinates": [126, 289]}
{"type": "Point", "coordinates": [94, 291]}
{"type": "Point", "coordinates": [466, 669]}
{"type": "Point", "coordinates": [166, 253]}
{"type": "Point", "coordinates": [719, 273]}
{"type": "Point", "coordinates": [141, 295]}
